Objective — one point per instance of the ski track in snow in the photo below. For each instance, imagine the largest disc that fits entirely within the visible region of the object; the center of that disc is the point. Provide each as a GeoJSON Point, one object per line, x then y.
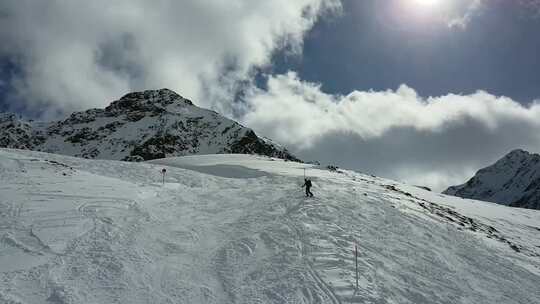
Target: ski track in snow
{"type": "Point", "coordinates": [237, 229]}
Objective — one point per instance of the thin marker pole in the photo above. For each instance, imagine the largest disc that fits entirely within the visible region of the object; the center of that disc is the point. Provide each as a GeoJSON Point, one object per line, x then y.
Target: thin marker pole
{"type": "Point", "coordinates": [356, 263]}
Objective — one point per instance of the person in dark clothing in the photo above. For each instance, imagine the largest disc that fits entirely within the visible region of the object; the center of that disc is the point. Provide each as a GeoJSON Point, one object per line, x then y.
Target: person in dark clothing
{"type": "Point", "coordinates": [307, 184]}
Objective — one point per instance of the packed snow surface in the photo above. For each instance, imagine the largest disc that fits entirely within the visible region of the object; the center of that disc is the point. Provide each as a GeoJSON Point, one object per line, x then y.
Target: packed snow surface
{"type": "Point", "coordinates": [238, 229]}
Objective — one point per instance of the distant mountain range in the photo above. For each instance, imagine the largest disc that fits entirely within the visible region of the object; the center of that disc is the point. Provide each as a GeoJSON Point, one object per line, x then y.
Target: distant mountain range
{"type": "Point", "coordinates": [139, 126]}
{"type": "Point", "coordinates": [514, 180]}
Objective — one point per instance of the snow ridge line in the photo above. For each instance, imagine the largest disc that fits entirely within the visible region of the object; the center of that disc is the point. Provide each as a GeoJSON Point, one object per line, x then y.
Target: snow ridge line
{"type": "Point", "coordinates": [40, 241]}
{"type": "Point", "coordinates": [463, 221]}
{"type": "Point", "coordinates": [10, 240]}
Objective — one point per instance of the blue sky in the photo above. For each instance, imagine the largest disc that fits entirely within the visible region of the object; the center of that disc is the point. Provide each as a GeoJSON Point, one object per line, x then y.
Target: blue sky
{"type": "Point", "coordinates": [424, 91]}
{"type": "Point", "coordinates": [364, 49]}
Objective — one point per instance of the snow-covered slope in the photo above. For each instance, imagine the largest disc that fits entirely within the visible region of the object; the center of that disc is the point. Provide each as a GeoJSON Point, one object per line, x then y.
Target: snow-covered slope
{"type": "Point", "coordinates": [140, 126]}
{"type": "Point", "coordinates": [513, 180]}
{"type": "Point", "coordinates": [237, 229]}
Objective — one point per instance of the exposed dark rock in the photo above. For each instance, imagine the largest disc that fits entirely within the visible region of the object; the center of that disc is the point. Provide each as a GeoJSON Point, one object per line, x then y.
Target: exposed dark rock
{"type": "Point", "coordinates": [252, 144]}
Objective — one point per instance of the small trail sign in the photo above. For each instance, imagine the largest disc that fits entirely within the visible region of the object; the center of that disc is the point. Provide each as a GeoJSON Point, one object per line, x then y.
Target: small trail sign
{"type": "Point", "coordinates": [163, 172]}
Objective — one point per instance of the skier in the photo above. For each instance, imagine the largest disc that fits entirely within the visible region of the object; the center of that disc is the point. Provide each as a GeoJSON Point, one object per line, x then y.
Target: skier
{"type": "Point", "coordinates": [307, 184]}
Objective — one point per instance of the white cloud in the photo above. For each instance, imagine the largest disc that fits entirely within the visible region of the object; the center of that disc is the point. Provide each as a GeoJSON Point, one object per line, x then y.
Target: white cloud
{"type": "Point", "coordinates": [394, 133]}
{"type": "Point", "coordinates": [471, 9]}
{"type": "Point", "coordinates": [306, 112]}
{"type": "Point", "coordinates": [80, 54]}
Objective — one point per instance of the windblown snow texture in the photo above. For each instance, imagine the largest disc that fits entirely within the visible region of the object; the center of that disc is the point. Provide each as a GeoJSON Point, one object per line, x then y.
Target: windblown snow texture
{"type": "Point", "coordinates": [140, 126]}
{"type": "Point", "coordinates": [513, 180]}
{"type": "Point", "coordinates": [237, 229]}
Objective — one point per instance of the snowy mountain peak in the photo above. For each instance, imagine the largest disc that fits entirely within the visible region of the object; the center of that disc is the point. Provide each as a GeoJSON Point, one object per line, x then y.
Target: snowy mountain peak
{"type": "Point", "coordinates": [517, 152]}
{"type": "Point", "coordinates": [513, 180]}
{"type": "Point", "coordinates": [148, 100]}
{"type": "Point", "coordinates": [517, 155]}
{"type": "Point", "coordinates": [139, 126]}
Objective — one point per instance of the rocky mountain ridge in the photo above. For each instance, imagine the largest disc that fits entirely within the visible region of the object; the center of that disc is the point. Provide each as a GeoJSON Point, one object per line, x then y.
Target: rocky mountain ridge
{"type": "Point", "coordinates": [139, 126]}
{"type": "Point", "coordinates": [514, 180]}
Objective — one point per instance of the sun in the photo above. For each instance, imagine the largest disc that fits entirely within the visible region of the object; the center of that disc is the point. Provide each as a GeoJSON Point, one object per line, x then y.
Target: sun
{"type": "Point", "coordinates": [427, 2]}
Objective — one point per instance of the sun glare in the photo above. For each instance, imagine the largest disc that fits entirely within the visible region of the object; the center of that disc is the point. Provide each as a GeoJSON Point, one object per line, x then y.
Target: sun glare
{"type": "Point", "coordinates": [427, 2]}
